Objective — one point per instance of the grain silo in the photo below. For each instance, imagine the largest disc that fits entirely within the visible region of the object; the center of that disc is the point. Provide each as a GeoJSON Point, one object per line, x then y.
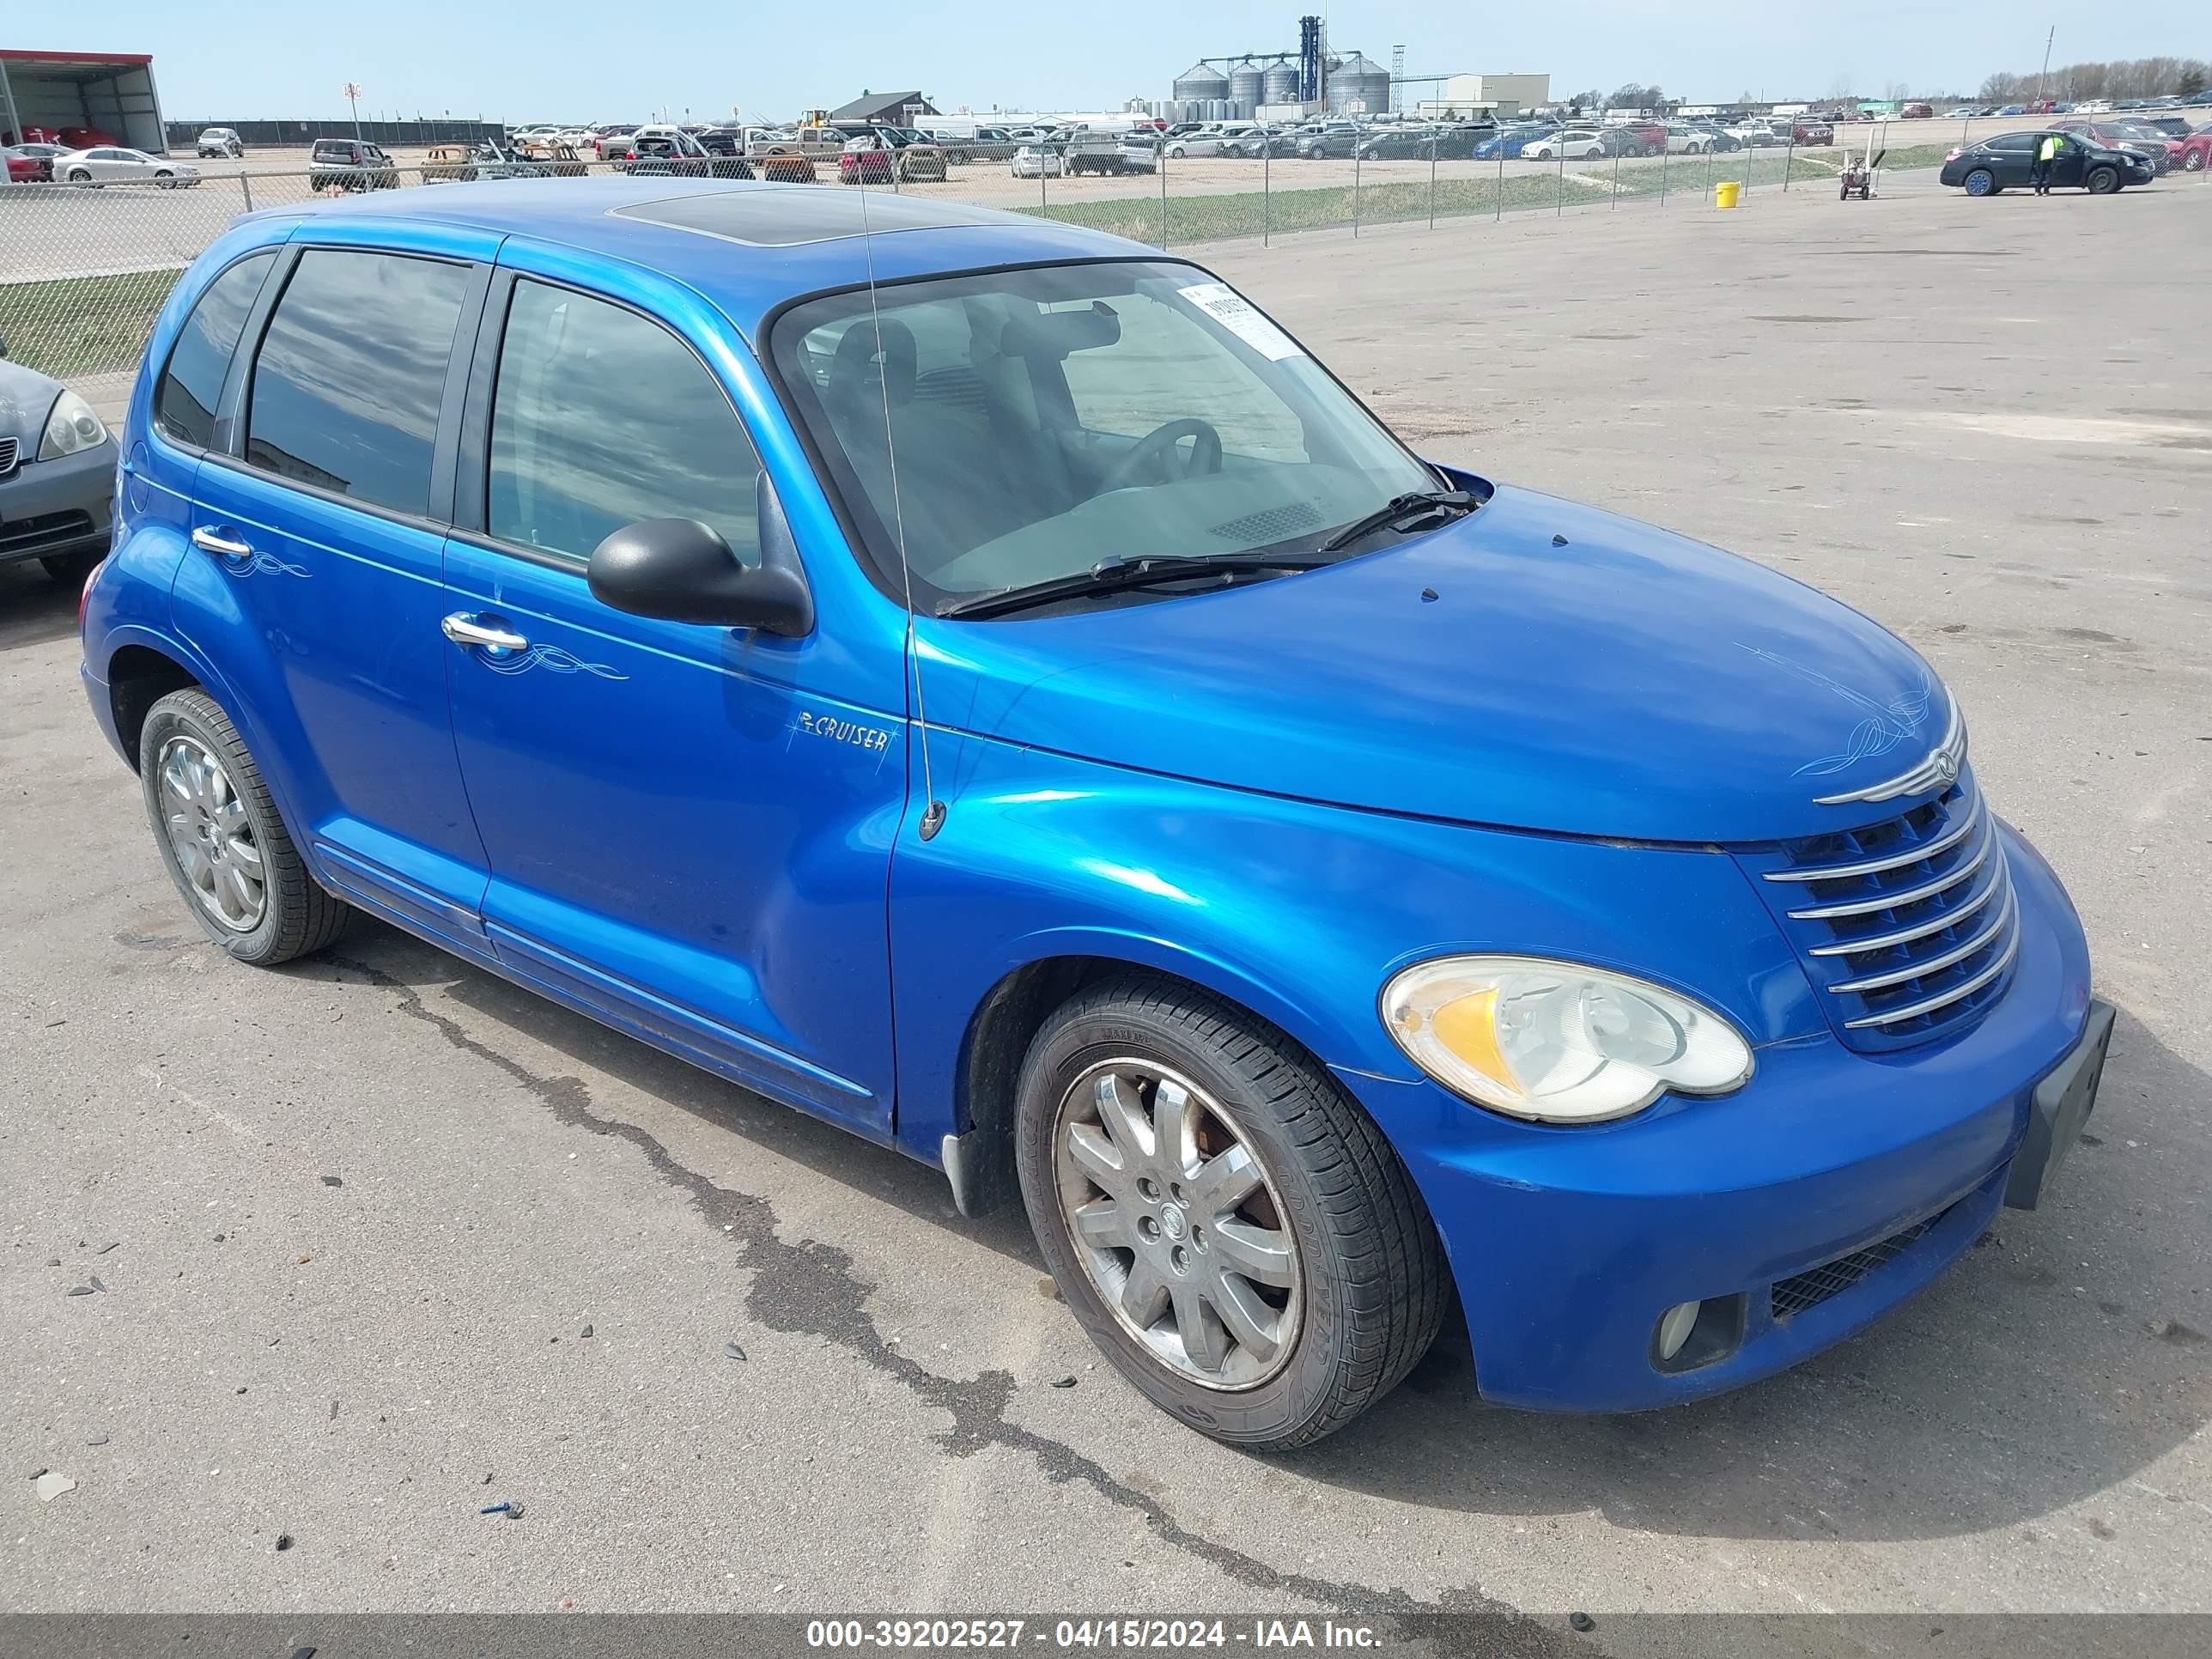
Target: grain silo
{"type": "Point", "coordinates": [1359, 84]}
{"type": "Point", "coordinates": [1280, 84]}
{"type": "Point", "coordinates": [1248, 86]}
{"type": "Point", "coordinates": [1200, 84]}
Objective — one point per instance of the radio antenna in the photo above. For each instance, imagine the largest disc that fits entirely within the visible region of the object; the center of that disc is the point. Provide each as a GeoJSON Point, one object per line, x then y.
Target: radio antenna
{"type": "Point", "coordinates": [933, 815]}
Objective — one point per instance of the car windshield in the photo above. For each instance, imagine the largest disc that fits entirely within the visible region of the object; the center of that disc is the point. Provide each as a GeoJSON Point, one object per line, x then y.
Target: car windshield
{"type": "Point", "coordinates": [1045, 420]}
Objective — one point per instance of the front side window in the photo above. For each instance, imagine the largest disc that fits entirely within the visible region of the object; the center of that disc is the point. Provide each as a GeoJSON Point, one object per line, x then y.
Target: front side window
{"type": "Point", "coordinates": [351, 372]}
{"type": "Point", "coordinates": [601, 418]}
{"type": "Point", "coordinates": [184, 403]}
{"type": "Point", "coordinates": [1039, 422]}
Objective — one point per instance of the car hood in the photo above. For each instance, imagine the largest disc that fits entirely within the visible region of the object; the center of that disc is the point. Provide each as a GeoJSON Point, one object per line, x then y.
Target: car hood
{"type": "Point", "coordinates": [27, 397]}
{"type": "Point", "coordinates": [1535, 665]}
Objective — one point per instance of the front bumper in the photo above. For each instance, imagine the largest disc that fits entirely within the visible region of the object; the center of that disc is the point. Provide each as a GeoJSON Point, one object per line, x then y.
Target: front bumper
{"type": "Point", "coordinates": [1569, 1243]}
{"type": "Point", "coordinates": [41, 501]}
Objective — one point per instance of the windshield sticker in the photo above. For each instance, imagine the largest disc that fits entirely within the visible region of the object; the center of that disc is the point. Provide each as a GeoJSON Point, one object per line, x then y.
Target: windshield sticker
{"type": "Point", "coordinates": [1234, 313]}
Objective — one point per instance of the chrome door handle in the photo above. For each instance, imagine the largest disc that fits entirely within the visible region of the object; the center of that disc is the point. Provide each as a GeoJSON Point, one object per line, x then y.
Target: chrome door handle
{"type": "Point", "coordinates": [462, 629]}
{"type": "Point", "coordinates": [208, 542]}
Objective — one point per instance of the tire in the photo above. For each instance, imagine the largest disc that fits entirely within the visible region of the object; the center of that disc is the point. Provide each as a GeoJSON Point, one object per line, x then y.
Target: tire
{"type": "Point", "coordinates": [165, 180]}
{"type": "Point", "coordinates": [79, 176]}
{"type": "Point", "coordinates": [2193, 163]}
{"type": "Point", "coordinates": [295, 915]}
{"type": "Point", "coordinates": [1178, 152]}
{"type": "Point", "coordinates": [70, 569]}
{"type": "Point", "coordinates": [1981, 182]}
{"type": "Point", "coordinates": [2102, 181]}
{"type": "Point", "coordinates": [1318, 1195]}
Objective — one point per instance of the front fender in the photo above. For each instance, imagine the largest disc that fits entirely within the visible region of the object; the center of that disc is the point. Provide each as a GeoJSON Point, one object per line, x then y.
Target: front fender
{"type": "Point", "coordinates": [1296, 911]}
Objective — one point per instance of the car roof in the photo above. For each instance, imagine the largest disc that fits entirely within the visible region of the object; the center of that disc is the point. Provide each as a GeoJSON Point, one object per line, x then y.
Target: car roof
{"type": "Point", "coordinates": [747, 246]}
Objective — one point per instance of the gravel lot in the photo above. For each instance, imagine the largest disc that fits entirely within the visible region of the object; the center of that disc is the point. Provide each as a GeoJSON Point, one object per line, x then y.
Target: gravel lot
{"type": "Point", "coordinates": [1938, 410]}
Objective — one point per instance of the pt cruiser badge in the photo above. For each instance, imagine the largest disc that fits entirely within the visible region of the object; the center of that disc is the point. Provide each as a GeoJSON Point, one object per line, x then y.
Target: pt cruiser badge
{"type": "Point", "coordinates": [828, 726]}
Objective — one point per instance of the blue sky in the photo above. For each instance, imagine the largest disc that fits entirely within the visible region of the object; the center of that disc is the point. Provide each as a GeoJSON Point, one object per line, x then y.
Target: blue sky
{"type": "Point", "coordinates": [585, 60]}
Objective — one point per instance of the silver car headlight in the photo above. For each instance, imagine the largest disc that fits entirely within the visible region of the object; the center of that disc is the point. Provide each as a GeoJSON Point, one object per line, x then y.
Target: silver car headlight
{"type": "Point", "coordinates": [71, 427]}
{"type": "Point", "coordinates": [1556, 1042]}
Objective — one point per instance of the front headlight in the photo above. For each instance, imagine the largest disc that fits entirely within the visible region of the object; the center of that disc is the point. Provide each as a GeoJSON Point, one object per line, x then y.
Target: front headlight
{"type": "Point", "coordinates": [70, 428]}
{"type": "Point", "coordinates": [1556, 1042]}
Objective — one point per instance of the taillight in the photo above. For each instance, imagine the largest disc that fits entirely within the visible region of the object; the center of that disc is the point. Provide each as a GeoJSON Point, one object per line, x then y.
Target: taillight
{"type": "Point", "coordinates": [1955, 156]}
{"type": "Point", "coordinates": [84, 594]}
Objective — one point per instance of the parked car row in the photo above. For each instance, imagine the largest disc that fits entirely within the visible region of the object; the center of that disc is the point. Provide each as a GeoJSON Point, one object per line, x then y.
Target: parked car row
{"type": "Point", "coordinates": [101, 164]}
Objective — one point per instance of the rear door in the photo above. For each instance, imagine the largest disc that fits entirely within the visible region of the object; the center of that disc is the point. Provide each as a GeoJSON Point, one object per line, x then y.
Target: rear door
{"type": "Point", "coordinates": [319, 522]}
{"type": "Point", "coordinates": [2011, 156]}
{"type": "Point", "coordinates": [688, 827]}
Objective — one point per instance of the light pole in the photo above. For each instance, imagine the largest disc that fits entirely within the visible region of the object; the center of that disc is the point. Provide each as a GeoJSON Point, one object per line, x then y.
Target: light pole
{"type": "Point", "coordinates": [2042, 74]}
{"type": "Point", "coordinates": [352, 101]}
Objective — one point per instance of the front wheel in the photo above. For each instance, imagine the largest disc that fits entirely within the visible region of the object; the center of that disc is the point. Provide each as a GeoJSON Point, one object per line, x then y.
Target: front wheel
{"type": "Point", "coordinates": [1225, 1222]}
{"type": "Point", "coordinates": [2103, 181]}
{"type": "Point", "coordinates": [1981, 182]}
{"type": "Point", "coordinates": [2193, 163]}
{"type": "Point", "coordinates": [79, 176]}
{"type": "Point", "coordinates": [221, 839]}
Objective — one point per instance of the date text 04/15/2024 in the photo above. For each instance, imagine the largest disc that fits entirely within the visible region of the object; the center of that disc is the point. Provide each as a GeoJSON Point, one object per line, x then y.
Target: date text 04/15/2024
{"type": "Point", "coordinates": [1092, 1635]}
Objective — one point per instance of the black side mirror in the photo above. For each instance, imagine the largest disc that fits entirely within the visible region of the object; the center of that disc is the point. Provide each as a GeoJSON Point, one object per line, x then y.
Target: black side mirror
{"type": "Point", "coordinates": [679, 570]}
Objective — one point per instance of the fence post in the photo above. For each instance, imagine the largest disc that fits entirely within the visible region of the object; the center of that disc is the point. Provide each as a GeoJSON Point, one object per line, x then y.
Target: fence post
{"type": "Point", "coordinates": [1665, 151]}
{"type": "Point", "coordinates": [1267, 188]}
{"type": "Point", "coordinates": [1498, 197]}
{"type": "Point", "coordinates": [1616, 182]}
{"type": "Point", "coordinates": [246, 184]}
{"type": "Point", "coordinates": [1790, 160]}
{"type": "Point", "coordinates": [1044, 166]}
{"type": "Point", "coordinates": [1163, 153]}
{"type": "Point", "coordinates": [1559, 184]}
{"type": "Point", "coordinates": [1433, 148]}
{"type": "Point", "coordinates": [1355, 185]}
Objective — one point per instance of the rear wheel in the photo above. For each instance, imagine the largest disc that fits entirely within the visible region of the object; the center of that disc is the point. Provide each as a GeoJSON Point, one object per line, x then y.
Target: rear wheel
{"type": "Point", "coordinates": [219, 833]}
{"type": "Point", "coordinates": [1229, 1227]}
{"type": "Point", "coordinates": [2193, 163]}
{"type": "Point", "coordinates": [2102, 181]}
{"type": "Point", "coordinates": [1981, 182]}
{"type": "Point", "coordinates": [79, 176]}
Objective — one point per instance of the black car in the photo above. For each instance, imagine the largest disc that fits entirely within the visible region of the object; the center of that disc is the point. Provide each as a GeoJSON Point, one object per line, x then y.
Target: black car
{"type": "Point", "coordinates": [56, 474]}
{"type": "Point", "coordinates": [1455, 142]}
{"type": "Point", "coordinates": [2004, 162]}
{"type": "Point", "coordinates": [350, 164]}
{"type": "Point", "coordinates": [1333, 140]}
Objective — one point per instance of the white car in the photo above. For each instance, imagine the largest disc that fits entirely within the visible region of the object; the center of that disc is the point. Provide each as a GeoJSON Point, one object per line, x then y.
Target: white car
{"type": "Point", "coordinates": [1575, 143]}
{"type": "Point", "coordinates": [1035, 161]}
{"type": "Point", "coordinates": [220, 142]}
{"type": "Point", "coordinates": [111, 164]}
{"type": "Point", "coordinates": [1206, 141]}
{"type": "Point", "coordinates": [1686, 139]}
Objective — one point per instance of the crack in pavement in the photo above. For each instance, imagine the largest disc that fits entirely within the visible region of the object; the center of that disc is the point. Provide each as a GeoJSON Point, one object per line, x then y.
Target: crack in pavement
{"type": "Point", "coordinates": [809, 1289]}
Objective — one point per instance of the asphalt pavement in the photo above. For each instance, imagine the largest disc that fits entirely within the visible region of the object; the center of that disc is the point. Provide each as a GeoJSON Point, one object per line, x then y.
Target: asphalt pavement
{"type": "Point", "coordinates": [392, 1241]}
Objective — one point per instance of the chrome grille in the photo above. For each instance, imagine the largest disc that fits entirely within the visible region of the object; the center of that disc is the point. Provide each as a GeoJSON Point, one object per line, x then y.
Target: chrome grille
{"type": "Point", "coordinates": [1908, 926]}
{"type": "Point", "coordinates": [7, 454]}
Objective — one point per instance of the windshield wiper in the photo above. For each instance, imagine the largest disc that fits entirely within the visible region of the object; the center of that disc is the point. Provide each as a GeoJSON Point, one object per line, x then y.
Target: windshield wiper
{"type": "Point", "coordinates": [1113, 576]}
{"type": "Point", "coordinates": [1408, 512]}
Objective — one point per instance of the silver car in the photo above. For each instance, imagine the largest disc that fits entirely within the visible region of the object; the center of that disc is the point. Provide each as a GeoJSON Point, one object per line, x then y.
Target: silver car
{"type": "Point", "coordinates": [111, 164]}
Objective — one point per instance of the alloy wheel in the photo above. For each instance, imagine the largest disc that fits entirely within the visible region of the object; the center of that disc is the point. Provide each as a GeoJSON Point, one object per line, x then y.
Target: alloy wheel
{"type": "Point", "coordinates": [1177, 1224]}
{"type": "Point", "coordinates": [212, 836]}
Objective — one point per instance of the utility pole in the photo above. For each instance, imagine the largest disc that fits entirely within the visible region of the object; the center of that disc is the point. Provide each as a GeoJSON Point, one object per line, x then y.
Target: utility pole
{"type": "Point", "coordinates": [2044, 74]}
{"type": "Point", "coordinates": [352, 99]}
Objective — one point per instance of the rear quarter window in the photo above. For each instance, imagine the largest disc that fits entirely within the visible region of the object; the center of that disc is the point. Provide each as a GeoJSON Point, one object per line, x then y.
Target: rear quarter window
{"type": "Point", "coordinates": [184, 403]}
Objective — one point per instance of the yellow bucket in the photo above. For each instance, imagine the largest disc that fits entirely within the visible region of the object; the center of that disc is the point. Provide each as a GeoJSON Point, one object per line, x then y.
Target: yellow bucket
{"type": "Point", "coordinates": [1726, 192]}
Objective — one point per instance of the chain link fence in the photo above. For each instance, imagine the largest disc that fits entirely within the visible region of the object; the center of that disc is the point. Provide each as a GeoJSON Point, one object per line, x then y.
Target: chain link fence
{"type": "Point", "coordinates": [85, 262]}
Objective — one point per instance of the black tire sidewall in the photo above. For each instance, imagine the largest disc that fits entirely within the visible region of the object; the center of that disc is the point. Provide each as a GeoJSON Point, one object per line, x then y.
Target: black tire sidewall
{"type": "Point", "coordinates": [1276, 1409]}
{"type": "Point", "coordinates": [174, 716]}
{"type": "Point", "coordinates": [2095, 174]}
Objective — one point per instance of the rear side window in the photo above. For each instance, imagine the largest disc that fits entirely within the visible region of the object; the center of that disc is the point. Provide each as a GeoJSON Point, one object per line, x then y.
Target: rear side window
{"type": "Point", "coordinates": [347, 387]}
{"type": "Point", "coordinates": [2014, 141]}
{"type": "Point", "coordinates": [184, 403]}
{"type": "Point", "coordinates": [601, 418]}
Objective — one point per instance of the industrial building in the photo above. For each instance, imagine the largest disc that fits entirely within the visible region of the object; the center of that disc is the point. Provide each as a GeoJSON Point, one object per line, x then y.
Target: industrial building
{"type": "Point", "coordinates": [890, 109]}
{"type": "Point", "coordinates": [1459, 95]}
{"type": "Point", "coordinates": [109, 92]}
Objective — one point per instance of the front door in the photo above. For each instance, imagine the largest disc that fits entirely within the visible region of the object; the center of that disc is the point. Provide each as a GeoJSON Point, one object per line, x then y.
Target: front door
{"type": "Point", "coordinates": [2067, 166]}
{"type": "Point", "coordinates": [319, 540]}
{"type": "Point", "coordinates": [684, 836]}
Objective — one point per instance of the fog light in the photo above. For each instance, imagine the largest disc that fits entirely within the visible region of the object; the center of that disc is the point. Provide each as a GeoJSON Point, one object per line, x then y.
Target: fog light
{"type": "Point", "coordinates": [1675, 1326]}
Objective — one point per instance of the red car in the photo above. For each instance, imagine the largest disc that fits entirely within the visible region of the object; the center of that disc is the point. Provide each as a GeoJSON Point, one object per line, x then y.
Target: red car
{"type": "Point", "coordinates": [85, 137]}
{"type": "Point", "coordinates": [1811, 130]}
{"type": "Point", "coordinates": [30, 163]}
{"type": "Point", "coordinates": [2197, 149]}
{"type": "Point", "coordinates": [2165, 153]}
{"type": "Point", "coordinates": [1650, 137]}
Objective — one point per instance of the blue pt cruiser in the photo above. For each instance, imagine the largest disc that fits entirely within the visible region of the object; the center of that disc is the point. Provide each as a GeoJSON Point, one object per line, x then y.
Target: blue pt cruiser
{"type": "Point", "coordinates": [983, 683]}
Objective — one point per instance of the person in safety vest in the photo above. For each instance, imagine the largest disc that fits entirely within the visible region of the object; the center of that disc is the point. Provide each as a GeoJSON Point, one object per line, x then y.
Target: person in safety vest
{"type": "Point", "coordinates": [2046, 152]}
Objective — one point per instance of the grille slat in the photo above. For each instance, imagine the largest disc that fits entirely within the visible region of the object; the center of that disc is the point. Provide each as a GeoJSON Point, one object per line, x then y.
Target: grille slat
{"type": "Point", "coordinates": [7, 454]}
{"type": "Point", "coordinates": [1912, 926]}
